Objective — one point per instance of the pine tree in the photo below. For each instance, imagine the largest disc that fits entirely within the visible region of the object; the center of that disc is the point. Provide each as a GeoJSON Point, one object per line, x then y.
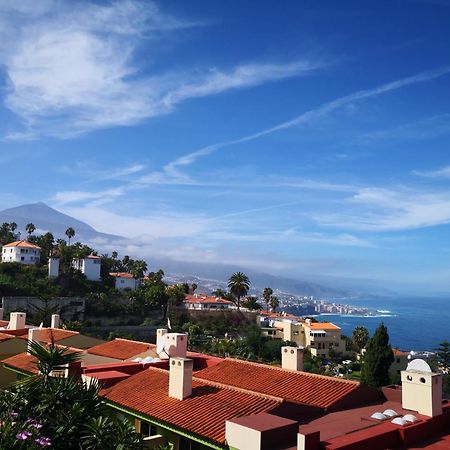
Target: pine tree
{"type": "Point", "coordinates": [377, 359]}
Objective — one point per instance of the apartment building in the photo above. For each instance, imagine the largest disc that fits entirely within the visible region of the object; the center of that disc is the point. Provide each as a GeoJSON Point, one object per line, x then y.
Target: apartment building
{"type": "Point", "coordinates": [22, 252]}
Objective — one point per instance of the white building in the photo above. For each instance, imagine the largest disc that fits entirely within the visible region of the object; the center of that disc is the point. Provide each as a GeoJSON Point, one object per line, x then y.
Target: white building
{"type": "Point", "coordinates": [124, 280]}
{"type": "Point", "coordinates": [89, 266]}
{"type": "Point", "coordinates": [205, 302]}
{"type": "Point", "coordinates": [22, 252]}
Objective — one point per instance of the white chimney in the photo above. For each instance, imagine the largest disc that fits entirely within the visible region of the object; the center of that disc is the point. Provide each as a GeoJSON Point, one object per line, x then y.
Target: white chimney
{"type": "Point", "coordinates": [176, 344]}
{"type": "Point", "coordinates": [33, 336]}
{"type": "Point", "coordinates": [17, 321]}
{"type": "Point", "coordinates": [421, 389]}
{"type": "Point", "coordinates": [292, 358]}
{"type": "Point", "coordinates": [1, 313]}
{"type": "Point", "coordinates": [55, 321]}
{"type": "Point", "coordinates": [180, 378]}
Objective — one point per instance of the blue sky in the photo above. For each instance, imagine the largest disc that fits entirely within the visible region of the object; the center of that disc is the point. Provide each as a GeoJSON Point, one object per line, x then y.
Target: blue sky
{"type": "Point", "coordinates": [299, 138]}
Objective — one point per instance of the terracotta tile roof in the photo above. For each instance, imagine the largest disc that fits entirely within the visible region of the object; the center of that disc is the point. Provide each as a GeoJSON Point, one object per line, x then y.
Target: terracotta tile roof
{"type": "Point", "coordinates": [5, 337]}
{"type": "Point", "coordinates": [206, 299]}
{"type": "Point", "coordinates": [4, 323]}
{"type": "Point", "coordinates": [27, 363]}
{"type": "Point", "coordinates": [23, 362]}
{"type": "Point", "coordinates": [398, 352]}
{"type": "Point", "coordinates": [322, 326]}
{"type": "Point", "coordinates": [93, 257]}
{"type": "Point", "coordinates": [120, 348]}
{"type": "Point", "coordinates": [23, 244]}
{"type": "Point", "coordinates": [47, 334]}
{"type": "Point", "coordinates": [121, 275]}
{"type": "Point", "coordinates": [301, 387]}
{"type": "Point", "coordinates": [203, 414]}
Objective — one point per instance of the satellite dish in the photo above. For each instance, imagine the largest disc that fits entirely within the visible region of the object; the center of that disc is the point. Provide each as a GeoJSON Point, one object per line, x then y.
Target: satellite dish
{"type": "Point", "coordinates": [161, 344]}
{"type": "Point", "coordinates": [420, 365]}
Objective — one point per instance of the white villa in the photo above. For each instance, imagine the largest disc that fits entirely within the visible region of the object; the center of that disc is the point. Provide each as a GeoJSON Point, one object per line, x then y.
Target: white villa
{"type": "Point", "coordinates": [22, 252]}
{"type": "Point", "coordinates": [124, 280]}
{"type": "Point", "coordinates": [89, 266]}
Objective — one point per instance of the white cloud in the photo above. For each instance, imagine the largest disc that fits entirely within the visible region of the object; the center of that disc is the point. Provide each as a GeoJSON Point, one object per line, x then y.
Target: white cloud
{"type": "Point", "coordinates": [172, 171]}
{"type": "Point", "coordinates": [381, 209]}
{"type": "Point", "coordinates": [64, 197]}
{"type": "Point", "coordinates": [443, 172]}
{"type": "Point", "coordinates": [71, 67]}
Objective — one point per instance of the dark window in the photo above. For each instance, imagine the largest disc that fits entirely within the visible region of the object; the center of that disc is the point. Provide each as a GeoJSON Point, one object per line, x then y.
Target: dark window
{"type": "Point", "coordinates": [398, 360]}
{"type": "Point", "coordinates": [22, 258]}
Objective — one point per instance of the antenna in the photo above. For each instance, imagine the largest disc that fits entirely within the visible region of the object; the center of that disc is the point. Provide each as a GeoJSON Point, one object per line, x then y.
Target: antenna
{"type": "Point", "coordinates": [420, 365]}
{"type": "Point", "coordinates": [41, 325]}
{"type": "Point", "coordinates": [161, 344]}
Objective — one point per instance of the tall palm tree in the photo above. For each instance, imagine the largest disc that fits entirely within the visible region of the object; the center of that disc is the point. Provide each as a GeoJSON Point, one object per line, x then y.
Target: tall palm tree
{"type": "Point", "coordinates": [138, 269]}
{"type": "Point", "coordinates": [274, 303]}
{"type": "Point", "coordinates": [30, 229]}
{"type": "Point", "coordinates": [267, 293]}
{"type": "Point", "coordinates": [70, 233]}
{"type": "Point", "coordinates": [239, 285]}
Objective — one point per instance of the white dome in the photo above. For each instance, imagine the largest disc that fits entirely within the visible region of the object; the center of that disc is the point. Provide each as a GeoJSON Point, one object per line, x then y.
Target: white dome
{"type": "Point", "coordinates": [399, 421]}
{"type": "Point", "coordinates": [378, 416]}
{"type": "Point", "coordinates": [410, 418]}
{"type": "Point", "coordinates": [390, 413]}
{"type": "Point", "coordinates": [147, 359]}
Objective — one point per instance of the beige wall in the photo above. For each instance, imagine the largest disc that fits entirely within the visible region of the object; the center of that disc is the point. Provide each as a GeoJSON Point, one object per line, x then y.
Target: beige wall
{"type": "Point", "coordinates": [422, 392]}
{"type": "Point", "coordinates": [242, 438]}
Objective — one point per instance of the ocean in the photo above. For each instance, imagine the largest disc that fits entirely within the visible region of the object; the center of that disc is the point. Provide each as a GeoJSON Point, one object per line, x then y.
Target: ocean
{"type": "Point", "coordinates": [413, 323]}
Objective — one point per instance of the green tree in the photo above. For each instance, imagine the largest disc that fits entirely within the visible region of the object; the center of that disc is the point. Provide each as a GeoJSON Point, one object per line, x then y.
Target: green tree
{"type": "Point", "coordinates": [252, 303]}
{"type": "Point", "coordinates": [138, 269]}
{"type": "Point", "coordinates": [274, 303]}
{"type": "Point", "coordinates": [30, 229]}
{"type": "Point", "coordinates": [239, 285]}
{"type": "Point", "coordinates": [267, 293]}
{"type": "Point", "coordinates": [443, 355]}
{"type": "Point", "coordinates": [377, 359]}
{"type": "Point", "coordinates": [70, 233]}
{"type": "Point", "coordinates": [360, 336]}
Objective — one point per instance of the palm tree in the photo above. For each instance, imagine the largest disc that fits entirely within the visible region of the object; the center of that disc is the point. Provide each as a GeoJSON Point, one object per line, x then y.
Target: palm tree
{"type": "Point", "coordinates": [114, 255]}
{"type": "Point", "coordinates": [70, 233]}
{"type": "Point", "coordinates": [30, 229]}
{"type": "Point", "coordinates": [267, 293]}
{"type": "Point", "coordinates": [360, 336]}
{"type": "Point", "coordinates": [51, 358]}
{"type": "Point", "coordinates": [138, 269]}
{"type": "Point", "coordinates": [239, 285]}
{"type": "Point", "coordinates": [13, 226]}
{"type": "Point", "coordinates": [274, 303]}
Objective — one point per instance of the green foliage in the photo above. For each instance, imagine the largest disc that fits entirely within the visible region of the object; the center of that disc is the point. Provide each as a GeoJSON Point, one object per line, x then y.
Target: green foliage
{"type": "Point", "coordinates": [443, 355]}
{"type": "Point", "coordinates": [59, 412]}
{"type": "Point", "coordinates": [8, 233]}
{"type": "Point", "coordinates": [251, 303]}
{"type": "Point", "coordinates": [267, 294]}
{"type": "Point", "coordinates": [360, 336]}
{"type": "Point", "coordinates": [239, 285]}
{"type": "Point", "coordinates": [377, 359]}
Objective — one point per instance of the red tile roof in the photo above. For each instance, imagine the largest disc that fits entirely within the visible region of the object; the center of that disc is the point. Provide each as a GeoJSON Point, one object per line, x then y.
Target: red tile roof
{"type": "Point", "coordinates": [120, 348]}
{"type": "Point", "coordinates": [22, 243]}
{"type": "Point", "coordinates": [23, 362]}
{"type": "Point", "coordinates": [321, 326]}
{"type": "Point", "coordinates": [4, 323]}
{"type": "Point", "coordinates": [47, 335]}
{"type": "Point", "coordinates": [300, 387]}
{"type": "Point", "coordinates": [398, 352]}
{"type": "Point", "coordinates": [121, 275]}
{"type": "Point", "coordinates": [6, 337]}
{"type": "Point", "coordinates": [205, 299]}
{"type": "Point", "coordinates": [203, 414]}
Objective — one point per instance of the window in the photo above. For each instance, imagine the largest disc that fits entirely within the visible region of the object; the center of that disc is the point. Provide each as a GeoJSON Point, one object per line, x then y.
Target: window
{"type": "Point", "coordinates": [147, 429]}
{"type": "Point", "coordinates": [22, 258]}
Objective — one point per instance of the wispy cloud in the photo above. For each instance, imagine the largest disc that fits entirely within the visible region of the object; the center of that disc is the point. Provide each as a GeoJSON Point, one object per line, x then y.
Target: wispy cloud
{"type": "Point", "coordinates": [172, 171]}
{"type": "Point", "coordinates": [443, 172]}
{"type": "Point", "coordinates": [427, 128]}
{"type": "Point", "coordinates": [65, 197]}
{"type": "Point", "coordinates": [71, 67]}
{"type": "Point", "coordinates": [382, 209]}
{"type": "Point", "coordinates": [94, 174]}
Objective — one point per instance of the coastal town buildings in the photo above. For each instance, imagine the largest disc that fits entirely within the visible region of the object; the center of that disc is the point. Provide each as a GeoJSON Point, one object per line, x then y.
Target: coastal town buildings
{"type": "Point", "coordinates": [318, 337]}
{"type": "Point", "coordinates": [22, 252]}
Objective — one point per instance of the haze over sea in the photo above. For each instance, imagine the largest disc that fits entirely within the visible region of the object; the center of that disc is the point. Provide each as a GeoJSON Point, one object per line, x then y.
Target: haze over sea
{"type": "Point", "coordinates": [414, 323]}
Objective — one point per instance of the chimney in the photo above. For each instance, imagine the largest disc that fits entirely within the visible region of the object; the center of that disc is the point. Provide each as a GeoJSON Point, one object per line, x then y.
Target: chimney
{"type": "Point", "coordinates": [17, 321]}
{"type": "Point", "coordinates": [292, 358]}
{"type": "Point", "coordinates": [176, 344]}
{"type": "Point", "coordinates": [1, 313]}
{"type": "Point", "coordinates": [421, 389]}
{"type": "Point", "coordinates": [55, 321]}
{"type": "Point", "coordinates": [33, 336]}
{"type": "Point", "coordinates": [180, 378]}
